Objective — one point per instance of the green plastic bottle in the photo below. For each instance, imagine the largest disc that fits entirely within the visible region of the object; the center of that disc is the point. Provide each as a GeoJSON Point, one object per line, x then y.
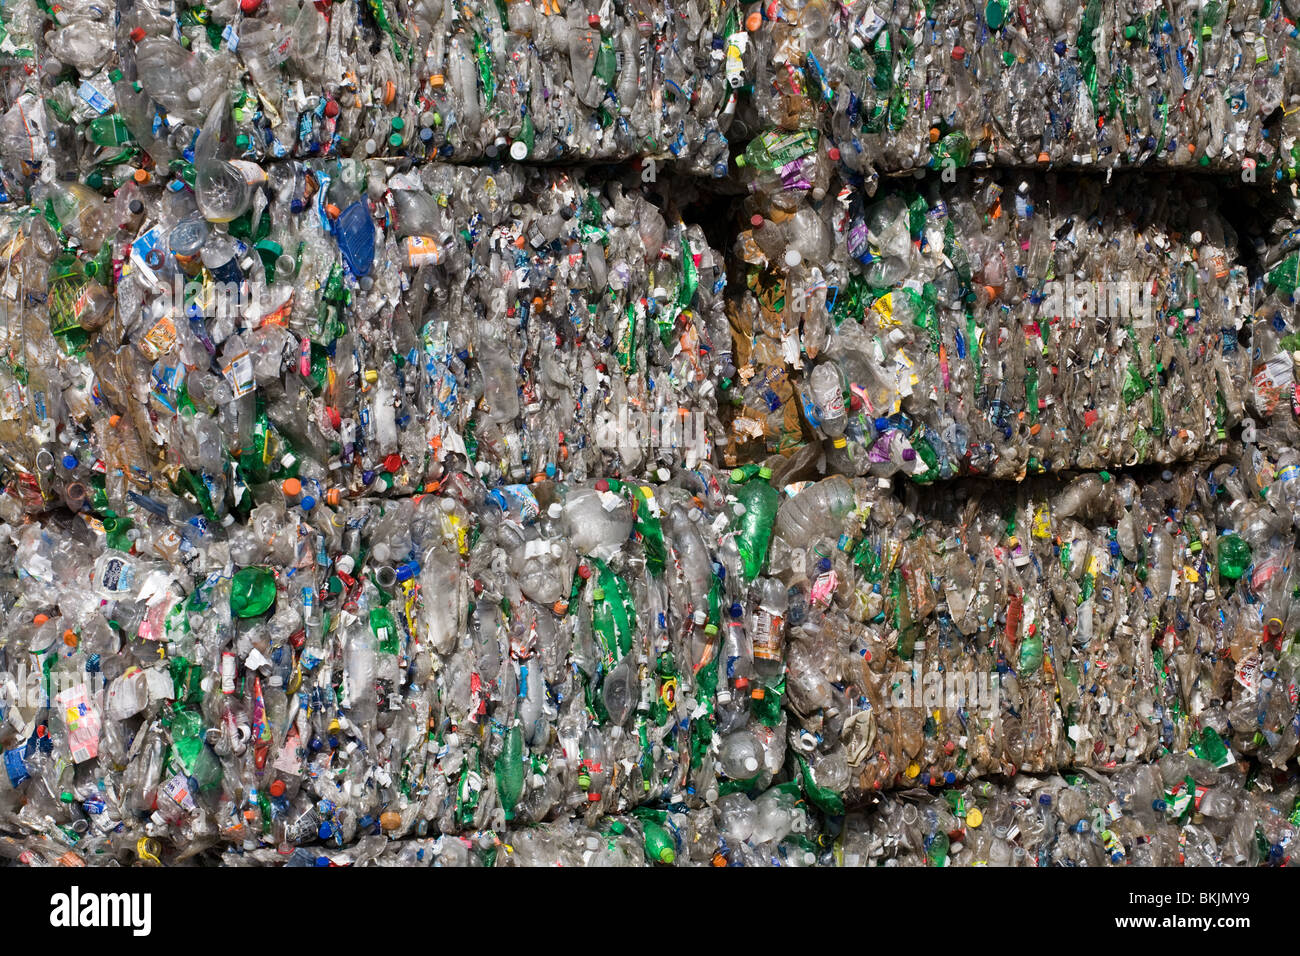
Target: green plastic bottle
{"type": "Point", "coordinates": [660, 847]}
{"type": "Point", "coordinates": [510, 770]}
{"type": "Point", "coordinates": [1234, 557]}
{"type": "Point", "coordinates": [252, 592]}
{"type": "Point", "coordinates": [110, 130]}
{"type": "Point", "coordinates": [1210, 746]}
{"type": "Point", "coordinates": [753, 526]}
{"type": "Point", "coordinates": [1031, 654]}
{"type": "Point", "coordinates": [776, 147]}
{"type": "Point", "coordinates": [387, 637]}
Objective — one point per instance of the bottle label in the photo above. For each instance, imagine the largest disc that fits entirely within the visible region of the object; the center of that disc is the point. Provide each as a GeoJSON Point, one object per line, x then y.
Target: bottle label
{"type": "Point", "coordinates": [98, 100]}
{"type": "Point", "coordinates": [239, 374]}
{"type": "Point", "coordinates": [82, 721]}
{"type": "Point", "coordinates": [423, 250]}
{"type": "Point", "coordinates": [116, 575]}
{"type": "Point", "coordinates": [254, 175]}
{"type": "Point", "coordinates": [160, 339]}
{"type": "Point", "coordinates": [768, 630]}
{"type": "Point", "coordinates": [870, 25]}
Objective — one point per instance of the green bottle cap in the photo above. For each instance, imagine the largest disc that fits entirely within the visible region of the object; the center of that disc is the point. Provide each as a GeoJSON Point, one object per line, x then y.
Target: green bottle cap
{"type": "Point", "coordinates": [765, 473]}
{"type": "Point", "coordinates": [737, 475]}
{"type": "Point", "coordinates": [395, 140]}
{"type": "Point", "coordinates": [399, 123]}
{"type": "Point", "coordinates": [740, 161]}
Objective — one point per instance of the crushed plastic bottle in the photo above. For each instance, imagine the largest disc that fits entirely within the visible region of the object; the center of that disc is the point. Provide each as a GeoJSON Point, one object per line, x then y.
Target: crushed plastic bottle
{"type": "Point", "coordinates": [514, 435]}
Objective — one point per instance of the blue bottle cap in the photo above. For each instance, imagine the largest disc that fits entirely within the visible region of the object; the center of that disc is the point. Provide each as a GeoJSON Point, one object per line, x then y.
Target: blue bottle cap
{"type": "Point", "coordinates": [69, 462]}
{"type": "Point", "coordinates": [307, 503]}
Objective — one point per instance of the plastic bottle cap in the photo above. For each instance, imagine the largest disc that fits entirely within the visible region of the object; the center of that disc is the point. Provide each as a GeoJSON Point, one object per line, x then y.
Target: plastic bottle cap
{"type": "Point", "coordinates": [307, 503]}
{"type": "Point", "coordinates": [291, 487]}
{"type": "Point", "coordinates": [751, 764]}
{"type": "Point", "coordinates": [974, 818]}
{"type": "Point", "coordinates": [792, 258]}
{"type": "Point", "coordinates": [331, 108]}
{"type": "Point", "coordinates": [398, 123]}
{"type": "Point", "coordinates": [277, 788]}
{"type": "Point", "coordinates": [392, 463]}
{"type": "Point", "coordinates": [69, 462]}
{"type": "Point", "coordinates": [959, 53]}
{"type": "Point", "coordinates": [249, 6]}
{"type": "Point", "coordinates": [395, 140]}
{"type": "Point", "coordinates": [834, 154]}
{"type": "Point", "coordinates": [518, 151]}
{"type": "Point", "coordinates": [765, 473]}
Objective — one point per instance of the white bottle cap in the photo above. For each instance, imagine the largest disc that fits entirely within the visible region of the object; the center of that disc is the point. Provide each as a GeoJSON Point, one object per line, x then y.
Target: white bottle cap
{"type": "Point", "coordinates": [518, 151]}
{"type": "Point", "coordinates": [793, 258]}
